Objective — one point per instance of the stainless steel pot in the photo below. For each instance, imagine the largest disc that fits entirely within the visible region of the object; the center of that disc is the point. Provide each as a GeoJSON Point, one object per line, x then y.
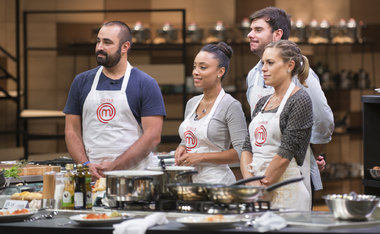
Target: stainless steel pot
{"type": "Point", "coordinates": [133, 185]}
{"type": "Point", "coordinates": [242, 193]}
{"type": "Point", "coordinates": [173, 174]}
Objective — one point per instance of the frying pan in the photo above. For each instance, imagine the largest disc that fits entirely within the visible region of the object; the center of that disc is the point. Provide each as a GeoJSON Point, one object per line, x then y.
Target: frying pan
{"type": "Point", "coordinates": [198, 191]}
{"type": "Point", "coordinates": [243, 193]}
{"type": "Point", "coordinates": [189, 191]}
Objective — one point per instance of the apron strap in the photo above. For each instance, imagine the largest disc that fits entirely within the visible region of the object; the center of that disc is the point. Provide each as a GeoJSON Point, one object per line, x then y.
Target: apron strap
{"type": "Point", "coordinates": [126, 77]}
{"type": "Point", "coordinates": [96, 79]}
{"type": "Point", "coordinates": [283, 101]}
{"type": "Point", "coordinates": [125, 80]}
{"type": "Point", "coordinates": [217, 101]}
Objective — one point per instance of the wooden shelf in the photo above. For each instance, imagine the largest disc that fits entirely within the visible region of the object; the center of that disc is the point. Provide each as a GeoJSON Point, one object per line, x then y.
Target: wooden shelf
{"type": "Point", "coordinates": [38, 114]}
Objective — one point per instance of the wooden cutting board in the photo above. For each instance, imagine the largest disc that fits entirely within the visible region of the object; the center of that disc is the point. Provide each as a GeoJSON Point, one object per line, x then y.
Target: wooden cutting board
{"type": "Point", "coordinates": [33, 169]}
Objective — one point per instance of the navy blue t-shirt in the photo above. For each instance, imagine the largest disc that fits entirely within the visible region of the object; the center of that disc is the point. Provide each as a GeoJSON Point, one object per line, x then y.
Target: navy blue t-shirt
{"type": "Point", "coordinates": [143, 93]}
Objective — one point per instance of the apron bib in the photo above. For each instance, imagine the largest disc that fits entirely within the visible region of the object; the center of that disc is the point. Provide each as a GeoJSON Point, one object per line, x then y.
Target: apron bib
{"type": "Point", "coordinates": [195, 134]}
{"type": "Point", "coordinates": [265, 134]}
{"type": "Point", "coordinates": [109, 126]}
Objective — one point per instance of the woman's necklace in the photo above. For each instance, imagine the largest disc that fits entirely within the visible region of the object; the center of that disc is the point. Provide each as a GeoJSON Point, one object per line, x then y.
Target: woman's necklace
{"type": "Point", "coordinates": [204, 110]}
{"type": "Point", "coordinates": [273, 101]}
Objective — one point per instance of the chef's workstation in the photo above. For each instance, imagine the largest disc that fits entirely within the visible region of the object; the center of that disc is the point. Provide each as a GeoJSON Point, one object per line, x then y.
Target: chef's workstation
{"type": "Point", "coordinates": [162, 199]}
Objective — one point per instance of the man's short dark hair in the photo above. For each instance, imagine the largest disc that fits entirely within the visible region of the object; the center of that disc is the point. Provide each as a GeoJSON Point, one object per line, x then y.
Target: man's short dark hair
{"type": "Point", "coordinates": [276, 18]}
{"type": "Point", "coordinates": [125, 32]}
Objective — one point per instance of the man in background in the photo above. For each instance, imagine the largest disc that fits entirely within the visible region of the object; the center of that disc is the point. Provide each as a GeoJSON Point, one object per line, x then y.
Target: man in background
{"type": "Point", "coordinates": [273, 24]}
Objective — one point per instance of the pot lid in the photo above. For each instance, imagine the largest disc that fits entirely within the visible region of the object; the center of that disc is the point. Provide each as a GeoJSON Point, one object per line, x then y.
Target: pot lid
{"type": "Point", "coordinates": [172, 168]}
{"type": "Point", "coordinates": [129, 173]}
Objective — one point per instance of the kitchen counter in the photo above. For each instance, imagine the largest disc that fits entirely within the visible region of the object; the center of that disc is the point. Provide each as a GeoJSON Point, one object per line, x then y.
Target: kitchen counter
{"type": "Point", "coordinates": [59, 224]}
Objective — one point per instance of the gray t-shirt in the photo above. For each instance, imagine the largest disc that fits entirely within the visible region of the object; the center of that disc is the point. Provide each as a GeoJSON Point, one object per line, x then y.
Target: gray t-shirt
{"type": "Point", "coordinates": [296, 121]}
{"type": "Point", "coordinates": [228, 125]}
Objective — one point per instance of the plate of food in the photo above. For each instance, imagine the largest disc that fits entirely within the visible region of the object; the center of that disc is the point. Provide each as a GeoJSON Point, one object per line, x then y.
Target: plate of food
{"type": "Point", "coordinates": [104, 218]}
{"type": "Point", "coordinates": [217, 221]}
{"type": "Point", "coordinates": [16, 214]}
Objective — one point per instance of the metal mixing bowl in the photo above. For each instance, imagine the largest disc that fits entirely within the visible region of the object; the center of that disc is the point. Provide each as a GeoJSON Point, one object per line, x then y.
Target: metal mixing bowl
{"type": "Point", "coordinates": [351, 206]}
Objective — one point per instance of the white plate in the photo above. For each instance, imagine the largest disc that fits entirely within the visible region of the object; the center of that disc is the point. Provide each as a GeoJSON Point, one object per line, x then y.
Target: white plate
{"type": "Point", "coordinates": [96, 222]}
{"type": "Point", "coordinates": [377, 90]}
{"type": "Point", "coordinates": [194, 221]}
{"type": "Point", "coordinates": [18, 216]}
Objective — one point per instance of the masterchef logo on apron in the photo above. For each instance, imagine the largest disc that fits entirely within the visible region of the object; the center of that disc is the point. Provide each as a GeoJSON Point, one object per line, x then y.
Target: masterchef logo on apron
{"type": "Point", "coordinates": [105, 112]}
{"type": "Point", "coordinates": [190, 139]}
{"type": "Point", "coordinates": [260, 135]}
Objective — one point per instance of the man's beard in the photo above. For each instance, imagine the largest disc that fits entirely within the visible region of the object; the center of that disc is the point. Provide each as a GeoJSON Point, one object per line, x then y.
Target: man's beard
{"type": "Point", "coordinates": [258, 51]}
{"type": "Point", "coordinates": [109, 60]}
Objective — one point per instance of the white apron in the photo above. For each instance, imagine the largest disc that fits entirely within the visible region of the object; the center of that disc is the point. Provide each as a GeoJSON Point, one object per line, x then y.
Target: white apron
{"type": "Point", "coordinates": [109, 126]}
{"type": "Point", "coordinates": [195, 134]}
{"type": "Point", "coordinates": [265, 134]}
{"type": "Point", "coordinates": [256, 93]}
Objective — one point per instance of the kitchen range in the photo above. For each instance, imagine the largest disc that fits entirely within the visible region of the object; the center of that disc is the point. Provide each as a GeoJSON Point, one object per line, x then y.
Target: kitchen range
{"type": "Point", "coordinates": [167, 189]}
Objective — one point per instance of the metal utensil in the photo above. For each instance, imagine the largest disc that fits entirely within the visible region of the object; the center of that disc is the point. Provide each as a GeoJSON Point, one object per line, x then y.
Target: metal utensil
{"type": "Point", "coordinates": [49, 215]}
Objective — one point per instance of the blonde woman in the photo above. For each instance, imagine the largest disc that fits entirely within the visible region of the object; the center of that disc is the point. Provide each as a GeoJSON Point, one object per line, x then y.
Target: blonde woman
{"type": "Point", "coordinates": [280, 130]}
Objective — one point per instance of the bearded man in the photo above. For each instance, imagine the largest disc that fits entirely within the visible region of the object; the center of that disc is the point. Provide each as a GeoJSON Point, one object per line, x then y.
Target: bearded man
{"type": "Point", "coordinates": [114, 112]}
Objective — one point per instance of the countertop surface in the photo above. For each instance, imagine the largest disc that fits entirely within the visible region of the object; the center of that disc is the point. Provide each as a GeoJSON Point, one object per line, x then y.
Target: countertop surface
{"type": "Point", "coordinates": [298, 222]}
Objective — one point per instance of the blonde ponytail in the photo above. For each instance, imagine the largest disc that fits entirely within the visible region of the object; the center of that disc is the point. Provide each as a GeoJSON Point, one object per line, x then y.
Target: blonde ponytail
{"type": "Point", "coordinates": [303, 72]}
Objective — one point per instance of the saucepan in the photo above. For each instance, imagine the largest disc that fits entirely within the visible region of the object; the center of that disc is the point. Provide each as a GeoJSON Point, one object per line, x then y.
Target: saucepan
{"type": "Point", "coordinates": [173, 174]}
{"type": "Point", "coordinates": [198, 191]}
{"type": "Point", "coordinates": [243, 193]}
{"type": "Point", "coordinates": [133, 185]}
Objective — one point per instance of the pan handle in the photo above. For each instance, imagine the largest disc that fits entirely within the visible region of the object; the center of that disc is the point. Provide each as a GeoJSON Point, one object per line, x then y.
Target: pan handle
{"type": "Point", "coordinates": [185, 173]}
{"type": "Point", "coordinates": [282, 183]}
{"type": "Point", "coordinates": [253, 178]}
{"type": "Point", "coordinates": [162, 164]}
